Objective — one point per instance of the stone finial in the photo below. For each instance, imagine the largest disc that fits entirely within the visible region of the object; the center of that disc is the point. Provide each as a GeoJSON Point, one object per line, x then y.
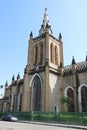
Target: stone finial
{"type": "Point", "coordinates": [73, 61]}
{"type": "Point", "coordinates": [6, 84]}
{"type": "Point", "coordinates": [13, 78]}
{"type": "Point", "coordinates": [31, 34]}
{"type": "Point", "coordinates": [18, 76]}
{"type": "Point", "coordinates": [60, 37]}
{"type": "Point", "coordinates": [74, 65]}
{"type": "Point", "coordinates": [86, 58]}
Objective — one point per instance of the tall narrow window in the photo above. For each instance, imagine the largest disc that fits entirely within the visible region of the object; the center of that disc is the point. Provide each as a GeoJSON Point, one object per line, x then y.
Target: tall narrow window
{"type": "Point", "coordinates": [56, 55]}
{"type": "Point", "coordinates": [71, 96]}
{"type": "Point", "coordinates": [41, 54]}
{"type": "Point", "coordinates": [52, 53]}
{"type": "Point", "coordinates": [36, 55]}
{"type": "Point", "coordinates": [53, 49]}
{"type": "Point", "coordinates": [36, 94]}
{"type": "Point", "coordinates": [51, 46]}
{"type": "Point", "coordinates": [84, 99]}
{"type": "Point", "coordinates": [70, 93]}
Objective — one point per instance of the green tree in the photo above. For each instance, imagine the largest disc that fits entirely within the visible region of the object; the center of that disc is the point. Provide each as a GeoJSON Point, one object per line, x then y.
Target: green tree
{"type": "Point", "coordinates": [66, 101]}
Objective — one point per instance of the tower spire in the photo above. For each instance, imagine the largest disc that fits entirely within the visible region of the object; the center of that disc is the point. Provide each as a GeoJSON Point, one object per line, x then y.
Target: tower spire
{"type": "Point", "coordinates": [45, 23]}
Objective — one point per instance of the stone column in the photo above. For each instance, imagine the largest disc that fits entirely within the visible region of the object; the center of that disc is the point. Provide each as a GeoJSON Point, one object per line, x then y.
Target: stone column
{"type": "Point", "coordinates": [25, 103]}
{"type": "Point", "coordinates": [61, 87]}
{"type": "Point", "coordinates": [12, 102]}
{"type": "Point", "coordinates": [47, 89]}
{"type": "Point", "coordinates": [75, 96]}
{"type": "Point", "coordinates": [18, 105]}
{"type": "Point", "coordinates": [61, 94]}
{"type": "Point", "coordinates": [47, 71]}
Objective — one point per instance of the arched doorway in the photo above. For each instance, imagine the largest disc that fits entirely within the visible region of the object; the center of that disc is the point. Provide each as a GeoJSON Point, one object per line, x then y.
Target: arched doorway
{"type": "Point", "coordinates": [36, 94]}
{"type": "Point", "coordinates": [84, 98]}
{"type": "Point", "coordinates": [70, 95]}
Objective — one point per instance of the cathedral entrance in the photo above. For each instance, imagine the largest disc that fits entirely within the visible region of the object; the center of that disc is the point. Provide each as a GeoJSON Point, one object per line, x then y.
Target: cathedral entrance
{"type": "Point", "coordinates": [84, 98]}
{"type": "Point", "coordinates": [36, 94]}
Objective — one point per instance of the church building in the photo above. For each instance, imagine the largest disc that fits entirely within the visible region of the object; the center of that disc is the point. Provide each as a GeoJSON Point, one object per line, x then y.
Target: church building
{"type": "Point", "coordinates": [46, 80]}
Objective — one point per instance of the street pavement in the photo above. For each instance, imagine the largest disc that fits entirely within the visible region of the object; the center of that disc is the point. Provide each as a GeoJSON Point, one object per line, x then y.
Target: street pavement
{"type": "Point", "coordinates": [26, 125]}
{"type": "Point", "coordinates": [82, 127]}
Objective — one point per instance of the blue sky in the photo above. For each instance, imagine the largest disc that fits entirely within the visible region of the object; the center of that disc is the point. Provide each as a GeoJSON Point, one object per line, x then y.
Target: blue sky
{"type": "Point", "coordinates": [19, 17]}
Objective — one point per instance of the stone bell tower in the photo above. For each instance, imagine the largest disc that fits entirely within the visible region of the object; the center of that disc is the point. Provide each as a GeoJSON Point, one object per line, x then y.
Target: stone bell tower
{"type": "Point", "coordinates": [41, 80]}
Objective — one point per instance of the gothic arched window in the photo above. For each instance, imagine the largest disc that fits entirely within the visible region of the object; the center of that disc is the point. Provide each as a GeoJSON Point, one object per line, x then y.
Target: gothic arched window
{"type": "Point", "coordinates": [56, 55]}
{"type": "Point", "coordinates": [70, 94]}
{"type": "Point", "coordinates": [52, 53]}
{"type": "Point", "coordinates": [36, 94]}
{"type": "Point", "coordinates": [41, 54]}
{"type": "Point", "coordinates": [84, 98]}
{"type": "Point", "coordinates": [36, 55]}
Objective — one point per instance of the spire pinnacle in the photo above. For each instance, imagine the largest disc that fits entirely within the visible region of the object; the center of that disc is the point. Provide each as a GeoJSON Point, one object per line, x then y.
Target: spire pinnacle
{"type": "Point", "coordinates": [86, 56]}
{"type": "Point", "coordinates": [73, 60]}
{"type": "Point", "coordinates": [13, 78]}
{"type": "Point", "coordinates": [6, 84]}
{"type": "Point", "coordinates": [45, 23]}
{"type": "Point", "coordinates": [60, 37]}
{"type": "Point", "coordinates": [18, 76]}
{"type": "Point", "coordinates": [31, 34]}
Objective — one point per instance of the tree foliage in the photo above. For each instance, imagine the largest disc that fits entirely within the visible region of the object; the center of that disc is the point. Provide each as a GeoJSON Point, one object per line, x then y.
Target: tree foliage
{"type": "Point", "coordinates": [66, 100]}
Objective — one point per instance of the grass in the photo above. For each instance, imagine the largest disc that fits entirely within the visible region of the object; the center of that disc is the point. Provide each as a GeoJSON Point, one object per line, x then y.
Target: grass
{"type": "Point", "coordinates": [66, 118]}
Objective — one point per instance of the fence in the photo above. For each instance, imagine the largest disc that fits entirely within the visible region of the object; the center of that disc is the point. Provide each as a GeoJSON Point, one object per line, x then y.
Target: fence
{"type": "Point", "coordinates": [67, 118]}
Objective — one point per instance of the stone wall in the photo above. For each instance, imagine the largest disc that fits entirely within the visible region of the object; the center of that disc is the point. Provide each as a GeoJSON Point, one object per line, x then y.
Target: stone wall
{"type": "Point", "coordinates": [54, 82]}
